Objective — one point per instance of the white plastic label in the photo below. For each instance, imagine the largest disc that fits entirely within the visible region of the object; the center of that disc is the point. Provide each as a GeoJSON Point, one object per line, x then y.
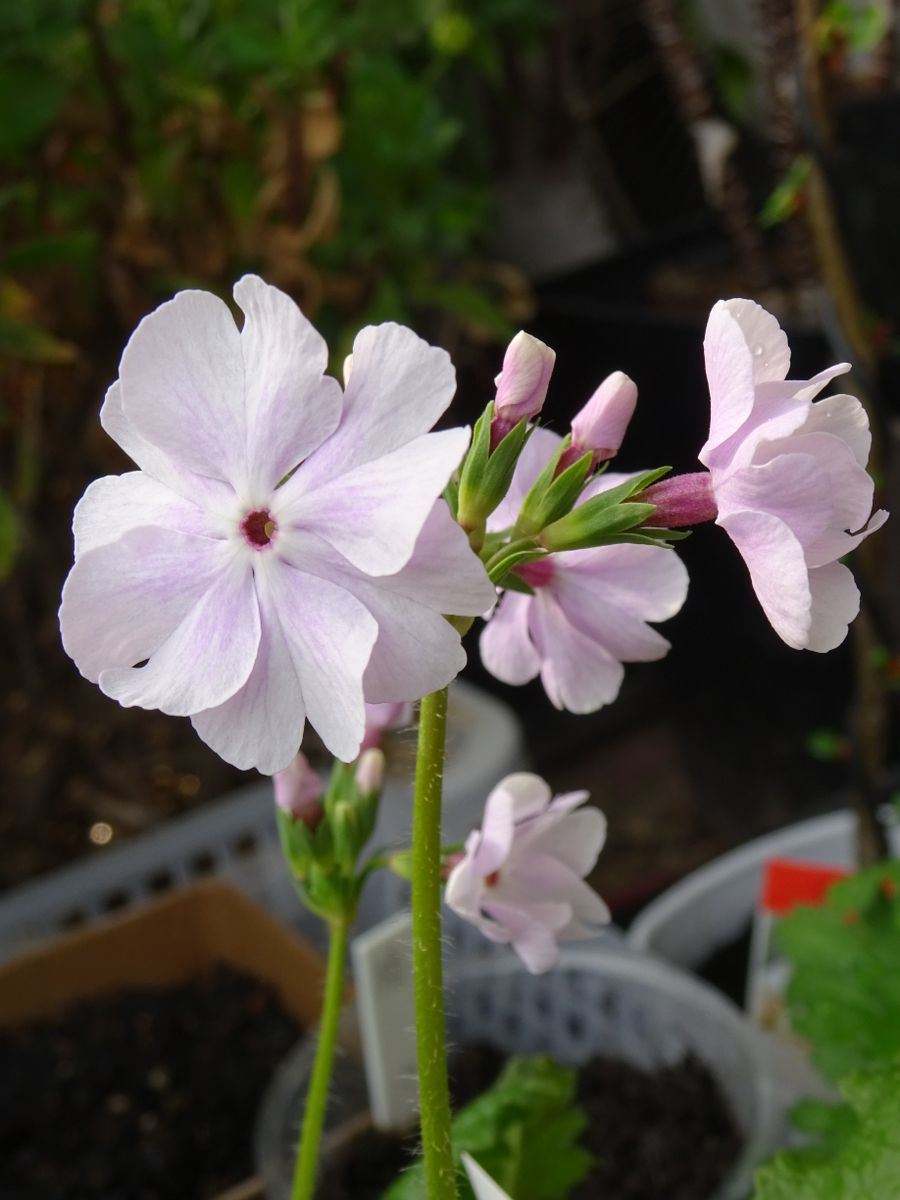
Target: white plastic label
{"type": "Point", "coordinates": [382, 969]}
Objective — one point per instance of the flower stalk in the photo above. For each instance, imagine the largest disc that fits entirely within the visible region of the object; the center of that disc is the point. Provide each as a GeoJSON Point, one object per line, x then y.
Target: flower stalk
{"type": "Point", "coordinates": [434, 1094]}
{"type": "Point", "coordinates": [317, 1097]}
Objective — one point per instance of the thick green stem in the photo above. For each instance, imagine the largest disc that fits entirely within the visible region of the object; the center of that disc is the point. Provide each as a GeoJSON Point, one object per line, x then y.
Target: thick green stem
{"type": "Point", "coordinates": [317, 1096]}
{"type": "Point", "coordinates": [434, 1095]}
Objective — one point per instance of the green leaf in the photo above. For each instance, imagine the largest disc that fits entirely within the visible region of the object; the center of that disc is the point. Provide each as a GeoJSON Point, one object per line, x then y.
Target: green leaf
{"type": "Point", "coordinates": [786, 197]}
{"type": "Point", "coordinates": [524, 1131]}
{"type": "Point", "coordinates": [864, 1162]}
{"type": "Point", "coordinates": [844, 992]}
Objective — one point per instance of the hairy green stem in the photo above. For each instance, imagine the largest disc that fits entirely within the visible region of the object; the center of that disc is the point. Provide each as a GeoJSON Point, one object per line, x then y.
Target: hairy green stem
{"type": "Point", "coordinates": [434, 1095]}
{"type": "Point", "coordinates": [317, 1096]}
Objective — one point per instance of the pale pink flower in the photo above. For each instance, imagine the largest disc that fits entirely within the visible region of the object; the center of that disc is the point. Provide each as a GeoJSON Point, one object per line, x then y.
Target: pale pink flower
{"type": "Point", "coordinates": [786, 478]}
{"type": "Point", "coordinates": [482, 1184]}
{"type": "Point", "coordinates": [280, 555]}
{"type": "Point", "coordinates": [600, 426]}
{"type": "Point", "coordinates": [370, 772]}
{"type": "Point", "coordinates": [590, 608]}
{"type": "Point", "coordinates": [298, 791]}
{"type": "Point", "coordinates": [382, 718]}
{"type": "Point", "coordinates": [521, 879]}
{"type": "Point", "coordinates": [522, 384]}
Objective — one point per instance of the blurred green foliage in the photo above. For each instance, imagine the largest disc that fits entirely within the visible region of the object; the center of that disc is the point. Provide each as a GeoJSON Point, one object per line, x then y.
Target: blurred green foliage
{"type": "Point", "coordinates": [340, 148]}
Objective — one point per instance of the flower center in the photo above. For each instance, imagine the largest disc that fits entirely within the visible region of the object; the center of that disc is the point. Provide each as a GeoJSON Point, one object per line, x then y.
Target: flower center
{"type": "Point", "coordinates": [537, 574]}
{"type": "Point", "coordinates": [492, 880]}
{"type": "Point", "coordinates": [258, 528]}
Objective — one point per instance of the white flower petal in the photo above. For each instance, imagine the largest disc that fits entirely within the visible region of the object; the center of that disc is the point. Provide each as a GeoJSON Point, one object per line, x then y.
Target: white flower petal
{"type": "Point", "coordinates": [482, 1184]}
{"type": "Point", "coordinates": [778, 572]}
{"type": "Point", "coordinates": [374, 515]}
{"type": "Point", "coordinates": [577, 673]}
{"type": "Point", "coordinates": [291, 406]}
{"type": "Point", "coordinates": [182, 380]}
{"type": "Point", "coordinates": [835, 603]}
{"type": "Point", "coordinates": [206, 659]}
{"type": "Point", "coordinates": [113, 505]}
{"type": "Point", "coordinates": [330, 636]}
{"type": "Point", "coordinates": [122, 600]}
{"type": "Point", "coordinates": [505, 645]}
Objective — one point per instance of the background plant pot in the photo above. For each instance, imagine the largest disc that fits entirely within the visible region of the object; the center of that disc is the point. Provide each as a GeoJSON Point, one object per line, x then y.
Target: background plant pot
{"type": "Point", "coordinates": [710, 908]}
{"type": "Point", "coordinates": [599, 1000]}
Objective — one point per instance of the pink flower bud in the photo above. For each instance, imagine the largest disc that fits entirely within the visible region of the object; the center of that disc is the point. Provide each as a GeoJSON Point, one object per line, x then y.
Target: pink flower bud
{"type": "Point", "coordinates": [381, 718]}
{"type": "Point", "coordinates": [522, 384]}
{"type": "Point", "coordinates": [370, 772]}
{"type": "Point", "coordinates": [298, 791]}
{"type": "Point", "coordinates": [601, 424]}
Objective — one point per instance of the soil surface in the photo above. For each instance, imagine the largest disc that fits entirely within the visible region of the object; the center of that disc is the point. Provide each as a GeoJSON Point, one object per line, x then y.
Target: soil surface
{"type": "Point", "coordinates": [148, 1094]}
{"type": "Point", "coordinates": [640, 1125]}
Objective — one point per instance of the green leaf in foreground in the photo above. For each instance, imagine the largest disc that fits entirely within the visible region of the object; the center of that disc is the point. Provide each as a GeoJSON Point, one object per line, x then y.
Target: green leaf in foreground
{"type": "Point", "coordinates": [865, 1161]}
{"type": "Point", "coordinates": [524, 1132]}
{"type": "Point", "coordinates": [844, 993]}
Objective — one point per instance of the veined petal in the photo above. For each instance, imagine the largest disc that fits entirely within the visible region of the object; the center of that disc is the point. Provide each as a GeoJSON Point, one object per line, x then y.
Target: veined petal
{"type": "Point", "coordinates": [113, 505]}
{"type": "Point", "coordinates": [834, 544]}
{"type": "Point", "coordinates": [122, 600]}
{"type": "Point", "coordinates": [729, 372]}
{"type": "Point", "coordinates": [496, 836]}
{"type": "Point", "coordinates": [291, 405]}
{"type": "Point", "coordinates": [845, 418]}
{"type": "Point", "coordinates": [506, 648]}
{"type": "Point", "coordinates": [778, 572]}
{"type": "Point", "coordinates": [182, 379]}
{"type": "Point", "coordinates": [374, 515]}
{"type": "Point", "coordinates": [534, 943]}
{"type": "Point", "coordinates": [764, 338]}
{"type": "Point", "coordinates": [577, 673]}
{"type": "Point", "coordinates": [397, 389]}
{"type": "Point", "coordinates": [622, 633]}
{"type": "Point", "coordinates": [261, 725]}
{"type": "Point", "coordinates": [576, 839]}
{"type": "Point", "coordinates": [330, 636]}
{"type": "Point", "coordinates": [206, 659]}
{"type": "Point", "coordinates": [649, 582]}
{"type": "Point", "coordinates": [791, 486]}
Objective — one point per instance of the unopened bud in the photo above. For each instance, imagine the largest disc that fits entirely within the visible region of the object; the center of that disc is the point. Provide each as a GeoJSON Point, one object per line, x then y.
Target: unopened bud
{"type": "Point", "coordinates": [370, 772]}
{"type": "Point", "coordinates": [380, 718]}
{"type": "Point", "coordinates": [600, 426]}
{"type": "Point", "coordinates": [298, 792]}
{"type": "Point", "coordinates": [522, 384]}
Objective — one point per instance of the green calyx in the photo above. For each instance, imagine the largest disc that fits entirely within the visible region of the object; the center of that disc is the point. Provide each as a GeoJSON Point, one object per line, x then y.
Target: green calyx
{"type": "Point", "coordinates": [551, 495]}
{"type": "Point", "coordinates": [486, 475]}
{"type": "Point", "coordinates": [611, 517]}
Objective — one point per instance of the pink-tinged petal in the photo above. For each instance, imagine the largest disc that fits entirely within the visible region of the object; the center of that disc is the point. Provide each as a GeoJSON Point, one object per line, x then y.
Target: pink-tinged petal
{"type": "Point", "coordinates": [835, 603]}
{"type": "Point", "coordinates": [506, 648]}
{"type": "Point", "coordinates": [211, 494]}
{"type": "Point", "coordinates": [291, 406]}
{"type": "Point", "coordinates": [834, 544]}
{"type": "Point", "coordinates": [113, 505]}
{"type": "Point", "coordinates": [417, 650]}
{"type": "Point", "coordinates": [444, 573]}
{"type": "Point", "coordinates": [123, 600]}
{"type": "Point", "coordinates": [374, 515]}
{"type": "Point", "coordinates": [398, 387]}
{"type": "Point", "coordinates": [577, 673]}
{"type": "Point", "coordinates": [206, 659]}
{"type": "Point", "coordinates": [529, 794]}
{"type": "Point", "coordinates": [808, 389]}
{"type": "Point", "coordinates": [600, 426]}
{"type": "Point", "coordinates": [845, 418]}
{"type": "Point", "coordinates": [497, 827]}
{"type": "Point", "coordinates": [533, 942]}
{"type": "Point", "coordinates": [465, 883]}
{"type": "Point", "coordinates": [777, 567]}
{"type": "Point", "coordinates": [541, 445]}
{"type": "Point", "coordinates": [590, 913]}
{"type": "Point", "coordinates": [330, 636]}
{"type": "Point", "coordinates": [261, 725]}
{"type": "Point", "coordinates": [792, 487]}
{"type": "Point", "coordinates": [182, 380]}
{"type": "Point", "coordinates": [649, 582]}
{"type": "Point", "coordinates": [729, 372]}
{"type": "Point", "coordinates": [522, 384]}
{"type": "Point", "coordinates": [777, 412]}
{"type": "Point", "coordinates": [482, 1184]}
{"type": "Point", "coordinates": [575, 838]}
{"type": "Point", "coordinates": [764, 337]}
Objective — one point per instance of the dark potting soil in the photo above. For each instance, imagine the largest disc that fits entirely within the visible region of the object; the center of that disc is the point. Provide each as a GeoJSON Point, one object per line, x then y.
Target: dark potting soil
{"type": "Point", "coordinates": [148, 1094]}
{"type": "Point", "coordinates": [668, 1133]}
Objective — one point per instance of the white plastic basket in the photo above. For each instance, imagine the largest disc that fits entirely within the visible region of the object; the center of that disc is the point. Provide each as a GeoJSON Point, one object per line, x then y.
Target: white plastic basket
{"type": "Point", "coordinates": [237, 839]}
{"type": "Point", "coordinates": [709, 908]}
{"type": "Point", "coordinates": [599, 1000]}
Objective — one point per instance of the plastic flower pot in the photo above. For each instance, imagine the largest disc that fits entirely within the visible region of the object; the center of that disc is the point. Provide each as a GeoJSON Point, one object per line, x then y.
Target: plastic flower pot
{"type": "Point", "coordinates": [709, 908]}
{"type": "Point", "coordinates": [162, 944]}
{"type": "Point", "coordinates": [598, 1000]}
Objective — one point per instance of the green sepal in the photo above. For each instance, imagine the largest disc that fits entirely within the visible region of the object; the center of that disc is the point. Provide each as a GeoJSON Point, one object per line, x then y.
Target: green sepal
{"type": "Point", "coordinates": [515, 583]}
{"type": "Point", "coordinates": [516, 558]}
{"type": "Point", "coordinates": [485, 477]}
{"type": "Point", "coordinates": [585, 528]}
{"type": "Point", "coordinates": [551, 498]}
{"type": "Point", "coordinates": [451, 495]}
{"type": "Point", "coordinates": [654, 537]}
{"type": "Point", "coordinates": [297, 843]}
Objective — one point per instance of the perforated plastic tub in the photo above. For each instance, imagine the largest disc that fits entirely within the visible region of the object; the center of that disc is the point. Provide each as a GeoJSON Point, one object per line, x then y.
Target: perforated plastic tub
{"type": "Point", "coordinates": [710, 907]}
{"type": "Point", "coordinates": [236, 839]}
{"type": "Point", "coordinates": [601, 999]}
